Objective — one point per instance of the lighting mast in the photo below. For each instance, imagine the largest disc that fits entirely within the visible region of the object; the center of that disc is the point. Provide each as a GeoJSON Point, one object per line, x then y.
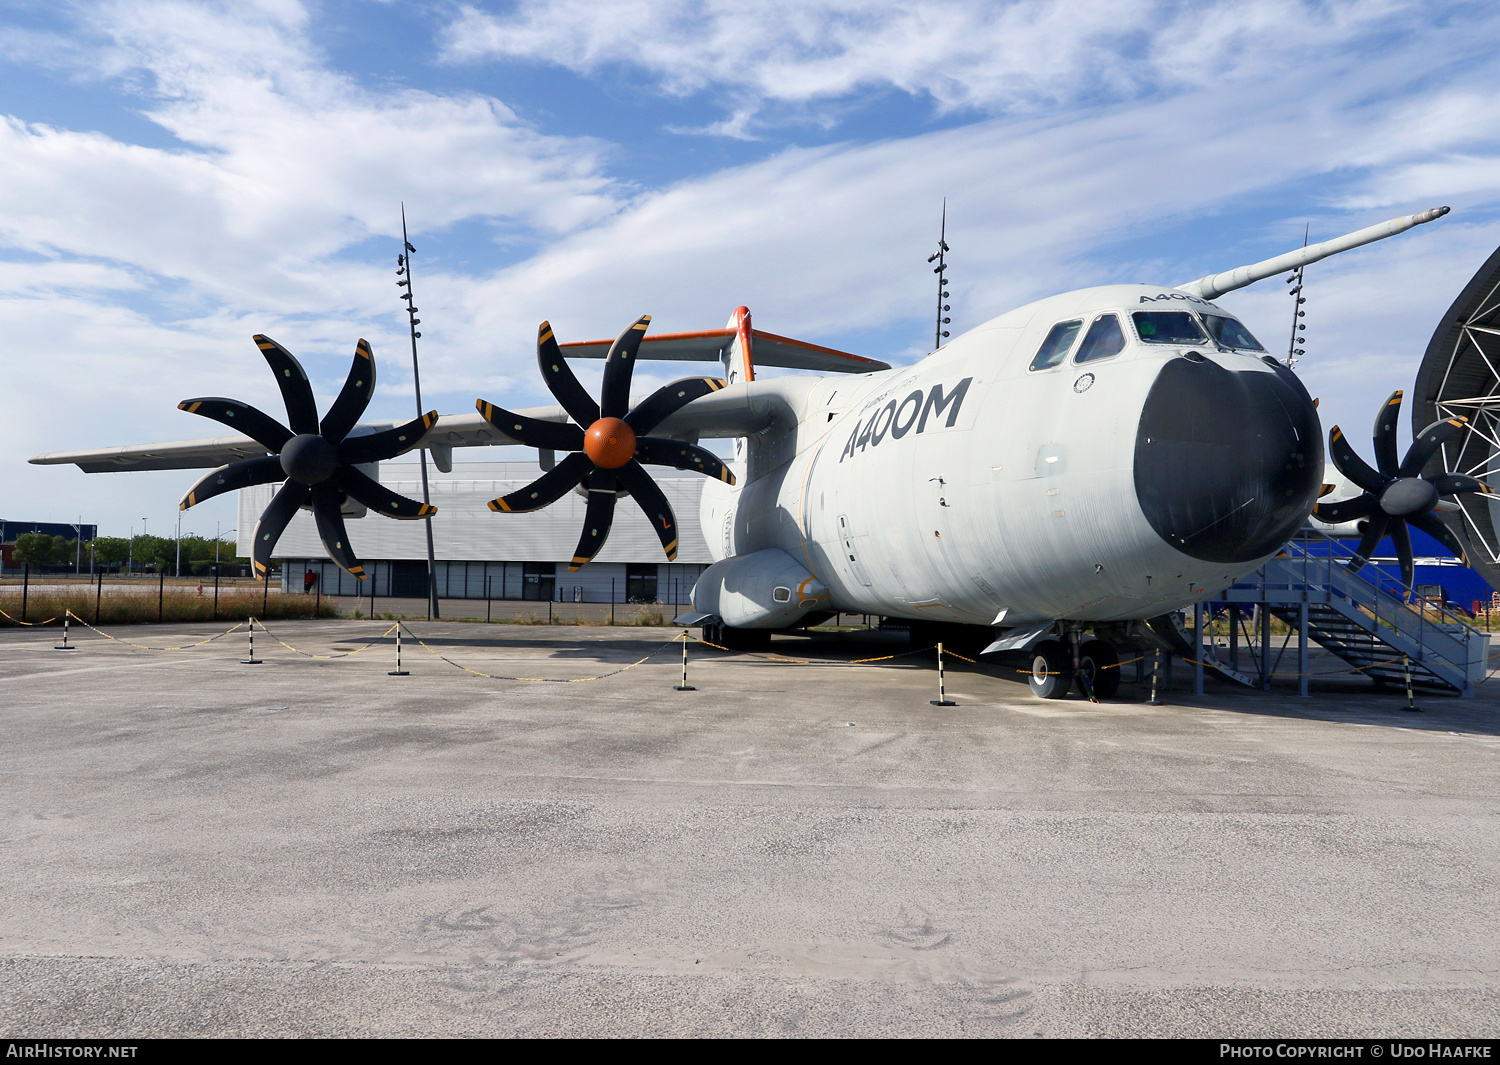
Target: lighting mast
{"type": "Point", "coordinates": [403, 271]}
{"type": "Point", "coordinates": [940, 257]}
{"type": "Point", "coordinates": [1293, 352]}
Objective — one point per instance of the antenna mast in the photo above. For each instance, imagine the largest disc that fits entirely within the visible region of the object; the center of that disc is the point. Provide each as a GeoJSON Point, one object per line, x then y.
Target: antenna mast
{"type": "Point", "coordinates": [1293, 352]}
{"type": "Point", "coordinates": [941, 258]}
{"type": "Point", "coordinates": [403, 272]}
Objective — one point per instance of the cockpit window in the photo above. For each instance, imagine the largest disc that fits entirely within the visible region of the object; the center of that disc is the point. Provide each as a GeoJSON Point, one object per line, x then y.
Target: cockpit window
{"type": "Point", "coordinates": [1104, 338]}
{"type": "Point", "coordinates": [1057, 345]}
{"type": "Point", "coordinates": [1231, 334]}
{"type": "Point", "coordinates": [1168, 327]}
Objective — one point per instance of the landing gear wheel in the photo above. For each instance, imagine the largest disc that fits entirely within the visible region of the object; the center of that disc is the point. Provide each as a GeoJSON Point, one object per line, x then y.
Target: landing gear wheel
{"type": "Point", "coordinates": [1051, 670]}
{"type": "Point", "coordinates": [733, 639]}
{"type": "Point", "coordinates": [1098, 669]}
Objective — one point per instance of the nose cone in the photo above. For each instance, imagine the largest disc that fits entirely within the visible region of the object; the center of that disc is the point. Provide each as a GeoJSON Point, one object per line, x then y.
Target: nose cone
{"type": "Point", "coordinates": [1228, 464]}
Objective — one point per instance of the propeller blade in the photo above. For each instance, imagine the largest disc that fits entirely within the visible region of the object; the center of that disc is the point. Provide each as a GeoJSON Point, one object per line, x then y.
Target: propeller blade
{"type": "Point", "coordinates": [1386, 460]}
{"type": "Point", "coordinates": [1347, 509]}
{"type": "Point", "coordinates": [548, 488]}
{"type": "Point", "coordinates": [257, 425]}
{"type": "Point", "coordinates": [668, 399]}
{"type": "Point", "coordinates": [1452, 484]}
{"type": "Point", "coordinates": [325, 504]}
{"type": "Point", "coordinates": [1427, 443]}
{"type": "Point", "coordinates": [291, 378]}
{"type": "Point", "coordinates": [1436, 528]}
{"type": "Point", "coordinates": [634, 479]}
{"type": "Point", "coordinates": [658, 451]}
{"type": "Point", "coordinates": [533, 432]}
{"type": "Point", "coordinates": [1350, 464]}
{"type": "Point", "coordinates": [1374, 532]}
{"type": "Point", "coordinates": [560, 380]}
{"type": "Point", "coordinates": [614, 394]}
{"type": "Point", "coordinates": [232, 477]}
{"type": "Point", "coordinates": [273, 523]}
{"type": "Point", "coordinates": [378, 497]}
{"type": "Point", "coordinates": [597, 519]}
{"type": "Point", "coordinates": [388, 444]}
{"type": "Point", "coordinates": [359, 386]}
{"type": "Point", "coordinates": [1401, 539]}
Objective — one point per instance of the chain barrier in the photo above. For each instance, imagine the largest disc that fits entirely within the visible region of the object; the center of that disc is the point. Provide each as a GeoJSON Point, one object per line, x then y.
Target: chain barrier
{"type": "Point", "coordinates": [32, 624]}
{"type": "Point", "coordinates": [308, 654]}
{"type": "Point", "coordinates": [788, 660]}
{"type": "Point", "coordinates": [148, 647]}
{"type": "Point", "coordinates": [535, 680]}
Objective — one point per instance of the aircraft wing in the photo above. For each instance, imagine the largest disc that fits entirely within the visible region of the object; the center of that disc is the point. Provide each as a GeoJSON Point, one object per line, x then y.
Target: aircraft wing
{"type": "Point", "coordinates": [708, 346]}
{"type": "Point", "coordinates": [451, 430]}
{"type": "Point", "coordinates": [732, 411]}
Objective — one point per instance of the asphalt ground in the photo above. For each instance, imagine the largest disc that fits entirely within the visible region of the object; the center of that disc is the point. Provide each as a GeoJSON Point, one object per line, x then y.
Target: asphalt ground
{"type": "Point", "coordinates": [312, 847]}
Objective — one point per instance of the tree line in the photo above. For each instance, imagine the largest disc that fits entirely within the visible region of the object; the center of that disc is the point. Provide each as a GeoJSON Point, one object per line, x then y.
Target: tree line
{"type": "Point", "coordinates": [159, 552]}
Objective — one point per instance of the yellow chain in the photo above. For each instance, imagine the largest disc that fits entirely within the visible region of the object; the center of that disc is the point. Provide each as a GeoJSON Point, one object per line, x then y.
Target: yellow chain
{"type": "Point", "coordinates": [309, 654]}
{"type": "Point", "coordinates": [31, 624]}
{"type": "Point", "coordinates": [148, 647]}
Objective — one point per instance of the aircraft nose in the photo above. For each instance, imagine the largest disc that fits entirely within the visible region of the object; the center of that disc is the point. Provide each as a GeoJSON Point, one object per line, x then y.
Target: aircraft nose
{"type": "Point", "coordinates": [1228, 464]}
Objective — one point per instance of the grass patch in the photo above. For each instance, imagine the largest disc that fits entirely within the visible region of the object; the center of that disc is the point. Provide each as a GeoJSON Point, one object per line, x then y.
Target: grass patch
{"type": "Point", "coordinates": [177, 605]}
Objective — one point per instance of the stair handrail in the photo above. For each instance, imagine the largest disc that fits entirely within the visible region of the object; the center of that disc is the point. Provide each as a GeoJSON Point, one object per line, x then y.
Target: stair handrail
{"type": "Point", "coordinates": [1339, 554]}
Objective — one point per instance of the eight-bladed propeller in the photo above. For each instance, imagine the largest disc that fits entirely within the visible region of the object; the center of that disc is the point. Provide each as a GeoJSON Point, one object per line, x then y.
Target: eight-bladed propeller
{"type": "Point", "coordinates": [608, 441]}
{"type": "Point", "coordinates": [316, 460]}
{"type": "Point", "coordinates": [1395, 494]}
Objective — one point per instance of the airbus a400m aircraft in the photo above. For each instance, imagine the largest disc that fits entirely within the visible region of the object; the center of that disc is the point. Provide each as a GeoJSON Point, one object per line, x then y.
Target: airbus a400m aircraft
{"type": "Point", "coordinates": [1050, 479]}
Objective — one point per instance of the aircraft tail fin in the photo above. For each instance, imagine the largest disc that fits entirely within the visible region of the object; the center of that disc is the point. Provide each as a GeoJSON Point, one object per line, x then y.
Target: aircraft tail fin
{"type": "Point", "coordinates": [739, 355]}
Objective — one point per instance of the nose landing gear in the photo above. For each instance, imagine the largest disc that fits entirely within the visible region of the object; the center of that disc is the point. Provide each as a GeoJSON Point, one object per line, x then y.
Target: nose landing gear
{"type": "Point", "coordinates": [1098, 669]}
{"type": "Point", "coordinates": [1052, 672]}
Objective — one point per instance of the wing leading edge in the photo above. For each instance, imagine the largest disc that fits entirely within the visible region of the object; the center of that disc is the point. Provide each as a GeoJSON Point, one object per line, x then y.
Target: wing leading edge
{"type": "Point", "coordinates": [709, 345]}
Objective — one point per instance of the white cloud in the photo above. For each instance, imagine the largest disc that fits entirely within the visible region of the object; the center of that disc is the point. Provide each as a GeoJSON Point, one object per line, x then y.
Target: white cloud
{"type": "Point", "coordinates": [996, 57]}
{"type": "Point", "coordinates": [284, 164]}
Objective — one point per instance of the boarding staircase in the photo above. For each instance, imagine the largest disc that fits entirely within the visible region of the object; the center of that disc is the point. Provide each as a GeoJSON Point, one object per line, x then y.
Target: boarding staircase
{"type": "Point", "coordinates": [1364, 618]}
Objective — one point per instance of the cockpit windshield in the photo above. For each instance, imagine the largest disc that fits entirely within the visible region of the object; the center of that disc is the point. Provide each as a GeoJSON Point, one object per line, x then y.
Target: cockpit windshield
{"type": "Point", "coordinates": [1231, 334]}
{"type": "Point", "coordinates": [1168, 327]}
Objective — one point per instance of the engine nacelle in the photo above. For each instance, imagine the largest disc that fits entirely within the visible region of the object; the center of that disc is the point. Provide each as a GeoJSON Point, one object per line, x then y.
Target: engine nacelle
{"type": "Point", "coordinates": [765, 590]}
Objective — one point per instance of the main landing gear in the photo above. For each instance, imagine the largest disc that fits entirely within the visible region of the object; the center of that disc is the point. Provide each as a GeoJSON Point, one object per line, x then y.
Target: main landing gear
{"type": "Point", "coordinates": [716, 632]}
{"type": "Point", "coordinates": [1053, 676]}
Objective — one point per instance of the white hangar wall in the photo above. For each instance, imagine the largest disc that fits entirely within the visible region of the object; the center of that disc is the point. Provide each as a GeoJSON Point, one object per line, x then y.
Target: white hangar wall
{"type": "Point", "coordinates": [480, 551]}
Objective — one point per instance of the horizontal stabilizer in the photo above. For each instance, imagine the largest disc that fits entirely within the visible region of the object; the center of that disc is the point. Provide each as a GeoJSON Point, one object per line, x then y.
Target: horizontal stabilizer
{"type": "Point", "coordinates": [709, 346]}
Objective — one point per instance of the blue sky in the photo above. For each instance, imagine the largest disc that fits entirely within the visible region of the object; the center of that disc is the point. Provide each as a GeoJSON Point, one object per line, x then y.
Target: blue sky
{"type": "Point", "coordinates": [177, 176]}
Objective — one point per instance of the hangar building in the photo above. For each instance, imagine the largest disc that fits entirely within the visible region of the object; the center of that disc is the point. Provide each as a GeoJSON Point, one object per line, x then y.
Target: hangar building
{"type": "Point", "coordinates": [481, 553]}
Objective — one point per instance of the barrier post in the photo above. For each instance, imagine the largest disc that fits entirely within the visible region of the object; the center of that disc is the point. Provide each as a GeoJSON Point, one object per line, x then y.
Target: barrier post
{"type": "Point", "coordinates": [1406, 665]}
{"type": "Point", "coordinates": [398, 671]}
{"type": "Point", "coordinates": [250, 660]}
{"type": "Point", "coordinates": [64, 645]}
{"type": "Point", "coordinates": [942, 699]}
{"type": "Point", "coordinates": [1302, 656]}
{"type": "Point", "coordinates": [1200, 615]}
{"type": "Point", "coordinates": [1155, 673]}
{"type": "Point", "coordinates": [684, 686]}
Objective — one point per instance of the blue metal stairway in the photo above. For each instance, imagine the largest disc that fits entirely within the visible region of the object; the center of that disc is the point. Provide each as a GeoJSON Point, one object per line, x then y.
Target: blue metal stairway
{"type": "Point", "coordinates": [1364, 618]}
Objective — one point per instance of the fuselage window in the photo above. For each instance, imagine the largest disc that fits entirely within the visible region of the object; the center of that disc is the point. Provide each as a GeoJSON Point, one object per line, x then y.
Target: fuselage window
{"type": "Point", "coordinates": [1231, 334]}
{"type": "Point", "coordinates": [1168, 327]}
{"type": "Point", "coordinates": [1057, 345]}
{"type": "Point", "coordinates": [1104, 339]}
